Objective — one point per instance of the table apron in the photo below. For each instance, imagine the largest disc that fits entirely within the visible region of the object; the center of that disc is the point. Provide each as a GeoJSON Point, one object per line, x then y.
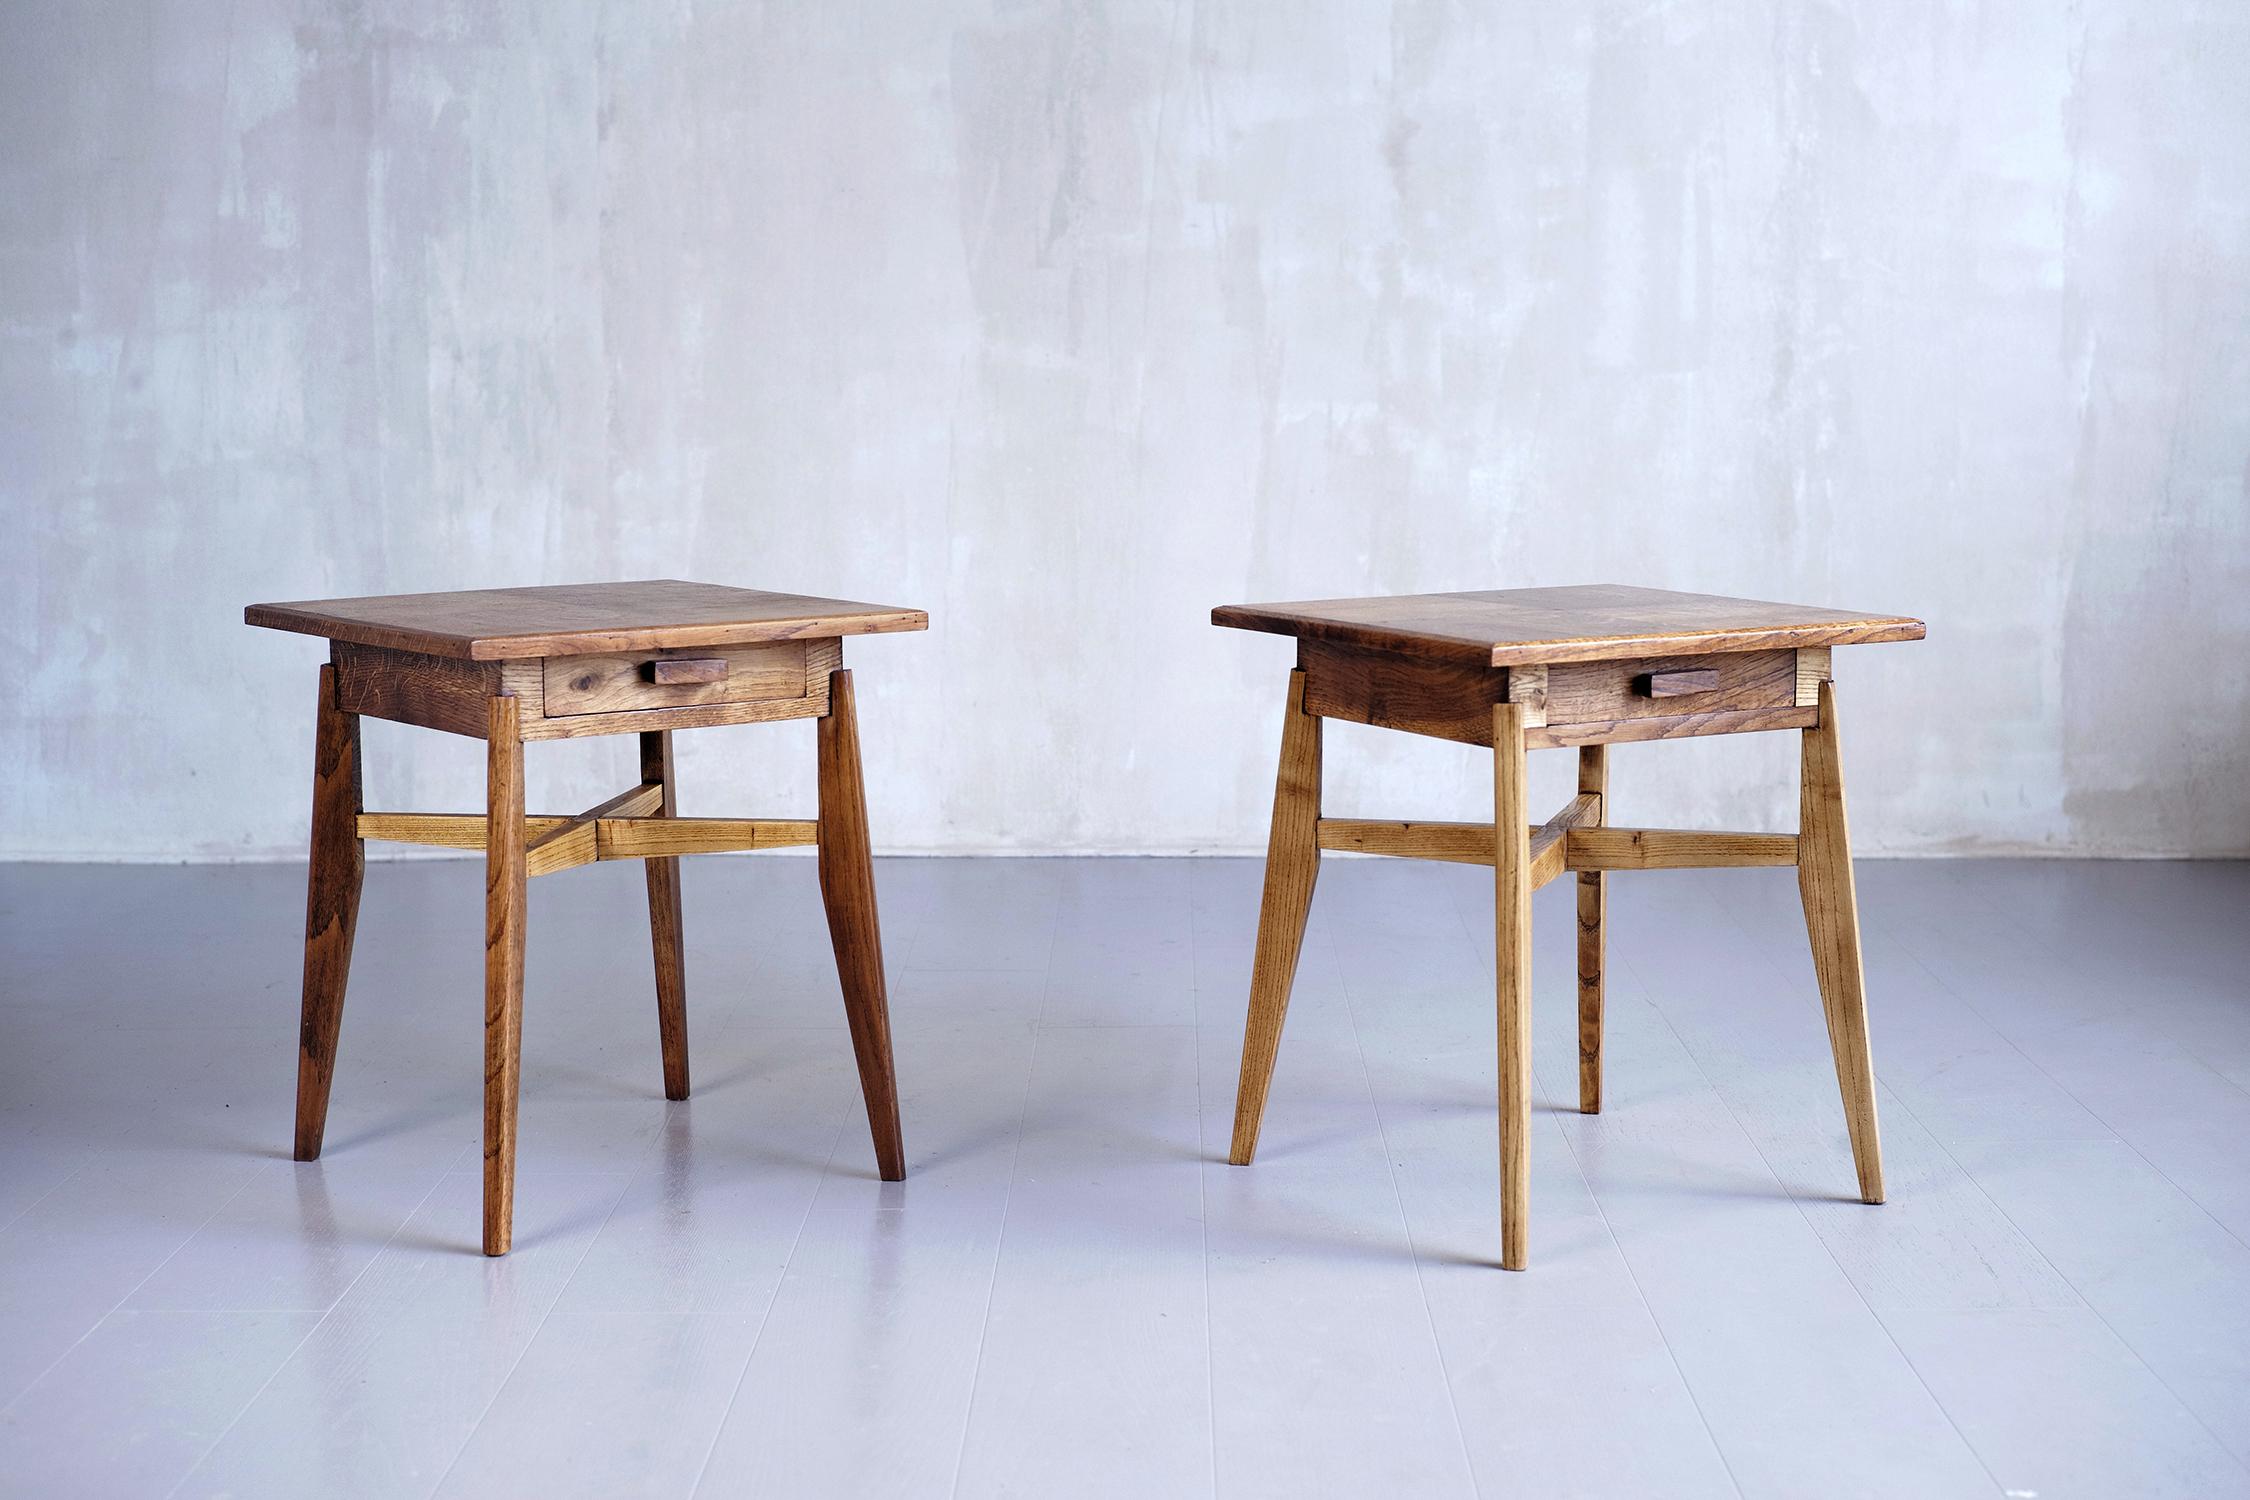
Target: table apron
{"type": "Point", "coordinates": [1568, 703]}
{"type": "Point", "coordinates": [450, 694]}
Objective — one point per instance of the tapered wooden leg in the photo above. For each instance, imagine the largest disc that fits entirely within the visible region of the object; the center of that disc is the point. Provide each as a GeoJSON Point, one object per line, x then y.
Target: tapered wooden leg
{"type": "Point", "coordinates": [847, 886]}
{"type": "Point", "coordinates": [331, 910]}
{"type": "Point", "coordinates": [1824, 876]}
{"type": "Point", "coordinates": [664, 925]}
{"type": "Point", "coordinates": [1593, 778]}
{"type": "Point", "coordinates": [1292, 865]}
{"type": "Point", "coordinates": [1511, 870]}
{"type": "Point", "coordinates": [504, 876]}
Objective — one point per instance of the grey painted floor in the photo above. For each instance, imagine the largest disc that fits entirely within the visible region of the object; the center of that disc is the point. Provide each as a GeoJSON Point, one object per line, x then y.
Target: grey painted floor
{"type": "Point", "coordinates": [1073, 1294]}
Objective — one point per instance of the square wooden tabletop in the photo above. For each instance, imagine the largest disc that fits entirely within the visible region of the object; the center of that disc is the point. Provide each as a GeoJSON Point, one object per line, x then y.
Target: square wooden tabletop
{"type": "Point", "coordinates": [571, 619]}
{"type": "Point", "coordinates": [1581, 622]}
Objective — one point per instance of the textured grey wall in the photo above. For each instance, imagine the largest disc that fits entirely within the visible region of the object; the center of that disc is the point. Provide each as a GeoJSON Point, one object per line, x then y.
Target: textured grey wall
{"type": "Point", "coordinates": [1069, 321]}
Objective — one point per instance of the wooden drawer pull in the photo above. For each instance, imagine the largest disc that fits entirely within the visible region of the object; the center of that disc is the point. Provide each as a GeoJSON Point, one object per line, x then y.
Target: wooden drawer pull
{"type": "Point", "coordinates": [672, 670]}
{"type": "Point", "coordinates": [1676, 684]}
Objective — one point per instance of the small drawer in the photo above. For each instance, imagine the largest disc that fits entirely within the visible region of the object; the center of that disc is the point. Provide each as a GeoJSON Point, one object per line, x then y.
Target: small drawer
{"type": "Point", "coordinates": [622, 681]}
{"type": "Point", "coordinates": [1655, 687]}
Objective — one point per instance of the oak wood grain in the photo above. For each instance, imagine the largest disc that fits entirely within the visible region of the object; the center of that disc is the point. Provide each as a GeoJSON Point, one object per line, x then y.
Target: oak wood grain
{"type": "Point", "coordinates": [577, 841]}
{"type": "Point", "coordinates": [1675, 849]}
{"type": "Point", "coordinates": [620, 681]}
{"type": "Point", "coordinates": [332, 889]}
{"type": "Point", "coordinates": [1511, 872]}
{"type": "Point", "coordinates": [667, 939]}
{"type": "Point", "coordinates": [1548, 840]}
{"type": "Point", "coordinates": [1824, 879]}
{"type": "Point", "coordinates": [504, 878]}
{"type": "Point", "coordinates": [1569, 704]}
{"type": "Point", "coordinates": [430, 692]}
{"type": "Point", "coordinates": [1448, 700]}
{"type": "Point", "coordinates": [847, 888]}
{"type": "Point", "coordinates": [579, 618]}
{"type": "Point", "coordinates": [1814, 667]}
{"type": "Point", "coordinates": [1593, 898]}
{"type": "Point", "coordinates": [642, 659]}
{"type": "Point", "coordinates": [1672, 726]}
{"type": "Point", "coordinates": [1679, 682]}
{"type": "Point", "coordinates": [658, 838]}
{"type": "Point", "coordinates": [1459, 843]}
{"type": "Point", "coordinates": [822, 658]}
{"type": "Point", "coordinates": [671, 671]}
{"type": "Point", "coordinates": [1527, 689]}
{"type": "Point", "coordinates": [446, 830]}
{"type": "Point", "coordinates": [436, 692]}
{"type": "Point", "coordinates": [1589, 692]}
{"type": "Point", "coordinates": [1581, 667]}
{"type": "Point", "coordinates": [615, 838]}
{"type": "Point", "coordinates": [1456, 843]}
{"type": "Point", "coordinates": [1292, 867]}
{"type": "Point", "coordinates": [697, 716]}
{"type": "Point", "coordinates": [1584, 622]}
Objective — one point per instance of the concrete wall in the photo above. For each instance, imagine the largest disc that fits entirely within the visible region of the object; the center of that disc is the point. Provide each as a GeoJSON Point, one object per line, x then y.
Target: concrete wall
{"type": "Point", "coordinates": [1067, 321]}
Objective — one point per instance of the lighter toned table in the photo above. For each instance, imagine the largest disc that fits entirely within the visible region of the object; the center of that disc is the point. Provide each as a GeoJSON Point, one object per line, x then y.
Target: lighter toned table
{"type": "Point", "coordinates": [514, 665]}
{"type": "Point", "coordinates": [1588, 666]}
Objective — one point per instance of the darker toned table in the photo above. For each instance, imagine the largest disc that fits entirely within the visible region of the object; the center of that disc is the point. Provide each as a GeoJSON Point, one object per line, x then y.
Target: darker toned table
{"type": "Point", "coordinates": [510, 666]}
{"type": "Point", "coordinates": [1583, 667]}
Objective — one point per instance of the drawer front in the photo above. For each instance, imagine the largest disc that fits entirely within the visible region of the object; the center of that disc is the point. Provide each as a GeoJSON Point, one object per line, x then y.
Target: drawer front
{"type": "Point", "coordinates": [1659, 687]}
{"type": "Point", "coordinates": [623, 681]}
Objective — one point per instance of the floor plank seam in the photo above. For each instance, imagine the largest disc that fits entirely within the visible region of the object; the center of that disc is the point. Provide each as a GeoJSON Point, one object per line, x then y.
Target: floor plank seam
{"type": "Point", "coordinates": [2125, 1343]}
{"type": "Point", "coordinates": [1813, 1229]}
{"type": "Point", "coordinates": [1671, 1355]}
{"type": "Point", "coordinates": [1007, 1201]}
{"type": "Point", "coordinates": [297, 1348]}
{"type": "Point", "coordinates": [1398, 1199]}
{"type": "Point", "coordinates": [2053, 1030]}
{"type": "Point", "coordinates": [1203, 1202]}
{"type": "Point", "coordinates": [796, 1240]}
{"type": "Point", "coordinates": [217, 1209]}
{"type": "Point", "coordinates": [765, 1317]}
{"type": "Point", "coordinates": [59, 1184]}
{"type": "Point", "coordinates": [1969, 1005]}
{"type": "Point", "coordinates": [516, 1364]}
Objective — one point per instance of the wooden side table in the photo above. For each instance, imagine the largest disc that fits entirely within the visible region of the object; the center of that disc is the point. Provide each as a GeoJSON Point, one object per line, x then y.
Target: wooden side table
{"type": "Point", "coordinates": [516, 665]}
{"type": "Point", "coordinates": [1524, 669]}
